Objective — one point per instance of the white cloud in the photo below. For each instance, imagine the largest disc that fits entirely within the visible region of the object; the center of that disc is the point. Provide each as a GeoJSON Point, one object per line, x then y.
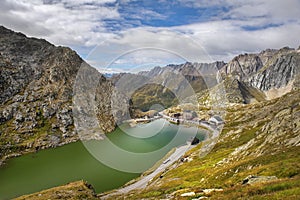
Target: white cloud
{"type": "Point", "coordinates": [81, 2]}
{"type": "Point", "coordinates": [203, 42]}
{"type": "Point", "coordinates": [267, 12]}
{"type": "Point", "coordinates": [110, 71]}
{"type": "Point", "coordinates": [263, 12]}
{"type": "Point", "coordinates": [148, 46]}
{"type": "Point", "coordinates": [81, 24]}
{"type": "Point", "coordinates": [223, 39]}
{"type": "Point", "coordinates": [62, 22]}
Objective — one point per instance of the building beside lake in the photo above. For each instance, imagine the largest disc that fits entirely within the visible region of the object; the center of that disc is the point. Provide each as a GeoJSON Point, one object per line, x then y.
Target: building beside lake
{"type": "Point", "coordinates": [176, 115]}
{"type": "Point", "coordinates": [216, 120]}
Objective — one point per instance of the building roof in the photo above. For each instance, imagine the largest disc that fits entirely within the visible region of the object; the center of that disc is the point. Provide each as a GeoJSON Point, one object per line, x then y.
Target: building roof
{"type": "Point", "coordinates": [216, 117]}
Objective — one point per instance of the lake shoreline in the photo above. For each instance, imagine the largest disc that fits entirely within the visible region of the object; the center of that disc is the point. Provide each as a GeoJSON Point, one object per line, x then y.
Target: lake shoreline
{"type": "Point", "coordinates": [161, 140]}
{"type": "Point", "coordinates": [131, 122]}
{"type": "Point", "coordinates": [143, 181]}
{"type": "Point", "coordinates": [5, 158]}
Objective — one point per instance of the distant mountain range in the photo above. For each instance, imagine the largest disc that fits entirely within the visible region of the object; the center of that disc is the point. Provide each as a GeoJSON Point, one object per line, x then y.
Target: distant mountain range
{"type": "Point", "coordinates": [247, 78]}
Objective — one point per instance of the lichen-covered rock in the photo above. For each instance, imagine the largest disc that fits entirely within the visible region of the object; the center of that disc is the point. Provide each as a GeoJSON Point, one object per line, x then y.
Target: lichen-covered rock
{"type": "Point", "coordinates": [252, 179]}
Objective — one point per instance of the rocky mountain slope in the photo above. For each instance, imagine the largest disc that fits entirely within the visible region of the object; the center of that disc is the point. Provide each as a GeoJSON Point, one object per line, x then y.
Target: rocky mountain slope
{"type": "Point", "coordinates": [146, 97]}
{"type": "Point", "coordinates": [263, 76]}
{"type": "Point", "coordinates": [36, 91]}
{"type": "Point", "coordinates": [175, 81]}
{"type": "Point", "coordinates": [246, 78]}
{"type": "Point", "coordinates": [256, 157]}
{"type": "Point", "coordinates": [257, 153]}
{"type": "Point", "coordinates": [199, 75]}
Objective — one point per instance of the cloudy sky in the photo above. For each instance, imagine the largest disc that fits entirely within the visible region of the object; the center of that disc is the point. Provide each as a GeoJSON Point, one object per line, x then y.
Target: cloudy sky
{"type": "Point", "coordinates": [134, 34]}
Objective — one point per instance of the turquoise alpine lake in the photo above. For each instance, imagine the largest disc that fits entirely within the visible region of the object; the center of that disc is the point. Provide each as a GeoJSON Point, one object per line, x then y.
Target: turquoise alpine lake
{"type": "Point", "coordinates": [106, 164]}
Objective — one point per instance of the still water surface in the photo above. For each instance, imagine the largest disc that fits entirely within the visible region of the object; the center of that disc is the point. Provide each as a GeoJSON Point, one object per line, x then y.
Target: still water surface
{"type": "Point", "coordinates": [53, 167]}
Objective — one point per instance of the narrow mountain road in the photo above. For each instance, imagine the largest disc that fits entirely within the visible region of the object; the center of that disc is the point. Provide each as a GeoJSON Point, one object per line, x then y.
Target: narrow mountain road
{"type": "Point", "coordinates": [179, 152]}
{"type": "Point", "coordinates": [142, 183]}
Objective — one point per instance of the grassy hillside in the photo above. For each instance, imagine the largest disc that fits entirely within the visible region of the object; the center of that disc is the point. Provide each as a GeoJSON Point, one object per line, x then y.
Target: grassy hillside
{"type": "Point", "coordinates": [259, 139]}
{"type": "Point", "coordinates": [75, 190]}
{"type": "Point", "coordinates": [151, 94]}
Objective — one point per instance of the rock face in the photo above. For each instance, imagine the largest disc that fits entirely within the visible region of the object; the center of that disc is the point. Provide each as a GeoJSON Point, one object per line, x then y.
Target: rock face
{"type": "Point", "coordinates": [199, 75]}
{"type": "Point", "coordinates": [283, 68]}
{"type": "Point", "coordinates": [36, 91]}
{"type": "Point", "coordinates": [273, 72]}
{"type": "Point", "coordinates": [252, 179]}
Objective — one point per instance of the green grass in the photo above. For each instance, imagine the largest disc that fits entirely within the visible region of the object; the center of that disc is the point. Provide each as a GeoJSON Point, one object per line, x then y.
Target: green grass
{"type": "Point", "coordinates": [151, 194]}
{"type": "Point", "coordinates": [204, 173]}
{"type": "Point", "coordinates": [244, 137]}
{"type": "Point", "coordinates": [75, 190]}
{"type": "Point", "coordinates": [279, 189]}
{"type": "Point", "coordinates": [151, 94]}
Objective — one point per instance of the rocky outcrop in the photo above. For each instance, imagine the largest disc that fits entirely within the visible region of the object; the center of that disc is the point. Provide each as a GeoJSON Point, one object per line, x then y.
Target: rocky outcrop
{"type": "Point", "coordinates": [274, 72]}
{"type": "Point", "coordinates": [252, 179]}
{"type": "Point", "coordinates": [74, 190]}
{"type": "Point", "coordinates": [243, 66]}
{"type": "Point", "coordinates": [279, 70]}
{"type": "Point", "coordinates": [36, 91]}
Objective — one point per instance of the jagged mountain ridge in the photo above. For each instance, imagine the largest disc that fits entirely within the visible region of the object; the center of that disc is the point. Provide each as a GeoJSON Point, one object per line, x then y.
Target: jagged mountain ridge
{"type": "Point", "coordinates": [181, 81]}
{"type": "Point", "coordinates": [247, 77]}
{"type": "Point", "coordinates": [273, 72]}
{"type": "Point", "coordinates": [187, 68]}
{"type": "Point", "coordinates": [199, 75]}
